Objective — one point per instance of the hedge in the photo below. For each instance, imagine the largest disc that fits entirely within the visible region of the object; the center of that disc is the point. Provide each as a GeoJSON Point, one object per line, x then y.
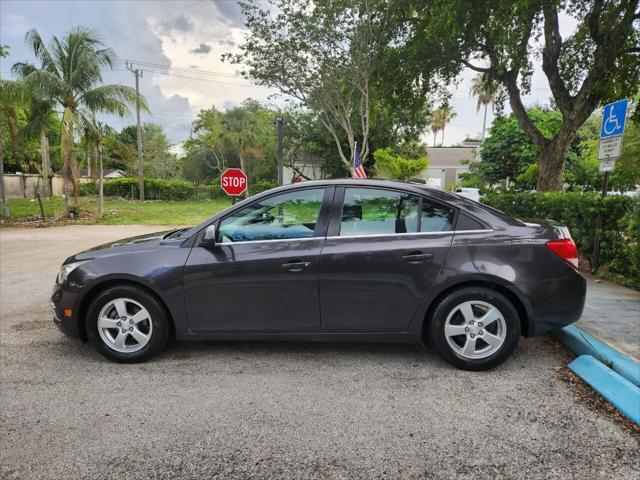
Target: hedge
{"type": "Point", "coordinates": [158, 189]}
{"type": "Point", "coordinates": [154, 189]}
{"type": "Point", "coordinates": [620, 240]}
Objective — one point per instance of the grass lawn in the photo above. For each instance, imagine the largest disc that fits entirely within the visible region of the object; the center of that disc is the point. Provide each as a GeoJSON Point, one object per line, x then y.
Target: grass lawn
{"type": "Point", "coordinates": [118, 211]}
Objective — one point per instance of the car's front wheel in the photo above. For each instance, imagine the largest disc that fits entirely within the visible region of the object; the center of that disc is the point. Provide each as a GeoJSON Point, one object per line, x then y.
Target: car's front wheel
{"type": "Point", "coordinates": [127, 324]}
{"type": "Point", "coordinates": [475, 328]}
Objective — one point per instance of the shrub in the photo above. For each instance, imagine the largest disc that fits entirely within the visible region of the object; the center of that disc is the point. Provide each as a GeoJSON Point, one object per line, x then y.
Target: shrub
{"type": "Point", "coordinates": [620, 238]}
{"type": "Point", "coordinates": [154, 189]}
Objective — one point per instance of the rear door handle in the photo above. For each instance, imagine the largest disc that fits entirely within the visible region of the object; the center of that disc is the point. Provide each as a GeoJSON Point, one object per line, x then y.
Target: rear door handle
{"type": "Point", "coordinates": [295, 266]}
{"type": "Point", "coordinates": [417, 257]}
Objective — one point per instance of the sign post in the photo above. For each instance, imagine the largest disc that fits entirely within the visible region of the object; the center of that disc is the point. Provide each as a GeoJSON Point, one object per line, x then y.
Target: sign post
{"type": "Point", "coordinates": [614, 116]}
{"type": "Point", "coordinates": [233, 182]}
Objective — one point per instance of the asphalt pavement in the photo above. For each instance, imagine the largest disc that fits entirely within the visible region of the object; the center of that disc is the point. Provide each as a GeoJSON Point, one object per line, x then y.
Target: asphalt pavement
{"type": "Point", "coordinates": [276, 410]}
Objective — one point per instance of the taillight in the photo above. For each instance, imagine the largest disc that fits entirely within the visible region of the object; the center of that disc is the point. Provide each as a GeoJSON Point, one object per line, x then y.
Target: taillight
{"type": "Point", "coordinates": [566, 249]}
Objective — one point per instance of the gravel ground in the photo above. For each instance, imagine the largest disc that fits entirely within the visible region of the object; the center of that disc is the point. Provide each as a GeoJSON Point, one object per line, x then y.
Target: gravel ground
{"type": "Point", "coordinates": [276, 410]}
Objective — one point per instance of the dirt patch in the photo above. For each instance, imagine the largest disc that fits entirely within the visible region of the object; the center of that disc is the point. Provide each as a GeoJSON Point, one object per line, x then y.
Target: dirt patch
{"type": "Point", "coordinates": [587, 395]}
{"type": "Point", "coordinates": [30, 325]}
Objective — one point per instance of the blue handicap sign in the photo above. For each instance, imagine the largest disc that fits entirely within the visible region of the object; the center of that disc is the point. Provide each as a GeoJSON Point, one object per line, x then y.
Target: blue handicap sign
{"type": "Point", "coordinates": [613, 118]}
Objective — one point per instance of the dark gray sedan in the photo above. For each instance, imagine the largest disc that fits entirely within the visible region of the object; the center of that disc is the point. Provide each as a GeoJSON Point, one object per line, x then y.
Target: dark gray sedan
{"type": "Point", "coordinates": [336, 260]}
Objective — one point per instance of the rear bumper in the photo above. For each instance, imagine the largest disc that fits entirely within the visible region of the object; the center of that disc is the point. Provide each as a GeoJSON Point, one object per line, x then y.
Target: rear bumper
{"type": "Point", "coordinates": [554, 304]}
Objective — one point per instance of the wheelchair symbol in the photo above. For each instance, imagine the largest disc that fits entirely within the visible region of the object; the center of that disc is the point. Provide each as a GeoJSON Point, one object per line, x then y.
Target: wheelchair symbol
{"type": "Point", "coordinates": [611, 124]}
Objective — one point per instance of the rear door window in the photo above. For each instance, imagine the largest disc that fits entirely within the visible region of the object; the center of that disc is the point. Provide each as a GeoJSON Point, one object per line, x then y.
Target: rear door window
{"type": "Point", "coordinates": [373, 211]}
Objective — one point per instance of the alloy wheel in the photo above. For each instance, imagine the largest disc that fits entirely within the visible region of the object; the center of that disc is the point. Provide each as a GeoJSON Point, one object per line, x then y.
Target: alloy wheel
{"type": "Point", "coordinates": [124, 325]}
{"type": "Point", "coordinates": [475, 329]}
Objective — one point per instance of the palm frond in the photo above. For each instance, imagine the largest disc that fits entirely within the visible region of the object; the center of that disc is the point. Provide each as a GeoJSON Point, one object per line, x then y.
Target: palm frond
{"type": "Point", "coordinates": [112, 99]}
{"type": "Point", "coordinates": [40, 50]}
{"type": "Point", "coordinates": [48, 85]}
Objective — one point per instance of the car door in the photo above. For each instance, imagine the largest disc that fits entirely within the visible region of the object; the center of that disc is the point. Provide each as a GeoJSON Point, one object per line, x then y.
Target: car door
{"type": "Point", "coordinates": [384, 250]}
{"type": "Point", "coordinates": [262, 274]}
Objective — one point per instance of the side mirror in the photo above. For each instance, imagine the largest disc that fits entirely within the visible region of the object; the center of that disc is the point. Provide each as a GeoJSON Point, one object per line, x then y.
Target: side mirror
{"type": "Point", "coordinates": [209, 238]}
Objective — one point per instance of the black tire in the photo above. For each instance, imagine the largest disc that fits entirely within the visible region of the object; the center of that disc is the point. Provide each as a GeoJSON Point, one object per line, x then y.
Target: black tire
{"type": "Point", "coordinates": [159, 331]}
{"type": "Point", "coordinates": [449, 303]}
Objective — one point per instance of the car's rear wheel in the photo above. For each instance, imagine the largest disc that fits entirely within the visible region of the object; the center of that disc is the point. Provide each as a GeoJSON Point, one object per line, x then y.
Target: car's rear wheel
{"type": "Point", "coordinates": [127, 324]}
{"type": "Point", "coordinates": [474, 328]}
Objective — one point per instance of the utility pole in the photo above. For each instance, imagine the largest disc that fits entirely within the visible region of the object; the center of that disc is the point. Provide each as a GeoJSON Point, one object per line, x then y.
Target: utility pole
{"type": "Point", "coordinates": [280, 124]}
{"type": "Point", "coordinates": [138, 73]}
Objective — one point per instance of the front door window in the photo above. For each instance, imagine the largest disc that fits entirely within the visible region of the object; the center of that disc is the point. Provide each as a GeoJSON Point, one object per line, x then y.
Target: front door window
{"type": "Point", "coordinates": [279, 217]}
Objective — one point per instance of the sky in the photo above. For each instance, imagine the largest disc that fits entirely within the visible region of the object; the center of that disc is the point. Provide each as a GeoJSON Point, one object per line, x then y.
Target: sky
{"type": "Point", "coordinates": [189, 35]}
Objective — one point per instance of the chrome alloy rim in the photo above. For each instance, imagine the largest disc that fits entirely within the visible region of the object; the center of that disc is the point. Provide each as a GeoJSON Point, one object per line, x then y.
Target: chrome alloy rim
{"type": "Point", "coordinates": [124, 325]}
{"type": "Point", "coordinates": [475, 329]}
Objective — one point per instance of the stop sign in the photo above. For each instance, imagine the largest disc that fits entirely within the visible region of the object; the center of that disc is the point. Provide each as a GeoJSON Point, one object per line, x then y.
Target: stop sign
{"type": "Point", "coordinates": [233, 181]}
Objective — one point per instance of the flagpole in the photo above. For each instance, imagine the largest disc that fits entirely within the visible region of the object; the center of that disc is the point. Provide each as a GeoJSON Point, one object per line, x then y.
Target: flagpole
{"type": "Point", "coordinates": [353, 160]}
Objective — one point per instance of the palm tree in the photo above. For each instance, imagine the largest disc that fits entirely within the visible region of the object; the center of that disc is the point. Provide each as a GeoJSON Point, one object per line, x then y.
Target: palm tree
{"type": "Point", "coordinates": [487, 91]}
{"type": "Point", "coordinates": [446, 113]}
{"type": "Point", "coordinates": [40, 114]}
{"type": "Point", "coordinates": [436, 124]}
{"type": "Point", "coordinates": [70, 74]}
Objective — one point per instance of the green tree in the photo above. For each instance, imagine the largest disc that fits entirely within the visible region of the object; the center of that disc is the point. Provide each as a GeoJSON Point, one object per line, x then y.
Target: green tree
{"type": "Point", "coordinates": [507, 151]}
{"type": "Point", "coordinates": [70, 75]}
{"type": "Point", "coordinates": [325, 54]}
{"type": "Point", "coordinates": [157, 152]}
{"type": "Point", "coordinates": [500, 39]}
{"type": "Point", "coordinates": [11, 93]}
{"type": "Point", "coordinates": [399, 167]}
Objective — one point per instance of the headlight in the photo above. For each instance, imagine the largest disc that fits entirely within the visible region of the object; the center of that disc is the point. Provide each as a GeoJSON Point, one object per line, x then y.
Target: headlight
{"type": "Point", "coordinates": [65, 270]}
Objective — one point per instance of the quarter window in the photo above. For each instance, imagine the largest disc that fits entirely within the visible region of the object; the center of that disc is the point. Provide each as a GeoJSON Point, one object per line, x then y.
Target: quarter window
{"type": "Point", "coordinates": [369, 211]}
{"type": "Point", "coordinates": [286, 216]}
{"type": "Point", "coordinates": [436, 217]}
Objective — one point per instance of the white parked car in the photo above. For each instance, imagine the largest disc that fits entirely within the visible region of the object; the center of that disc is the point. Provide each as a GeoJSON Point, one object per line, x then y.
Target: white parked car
{"type": "Point", "coordinates": [472, 193]}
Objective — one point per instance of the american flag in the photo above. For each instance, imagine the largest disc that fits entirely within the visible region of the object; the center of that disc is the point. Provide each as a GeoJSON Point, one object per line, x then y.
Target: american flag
{"type": "Point", "coordinates": [358, 169]}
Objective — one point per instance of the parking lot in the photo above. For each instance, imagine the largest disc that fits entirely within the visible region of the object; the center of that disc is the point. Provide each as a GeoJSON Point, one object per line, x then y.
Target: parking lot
{"type": "Point", "coordinates": [276, 410]}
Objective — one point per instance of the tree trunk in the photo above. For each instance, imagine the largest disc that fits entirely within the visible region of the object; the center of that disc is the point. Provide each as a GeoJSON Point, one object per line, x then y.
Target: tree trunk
{"type": "Point", "coordinates": [435, 137]}
{"type": "Point", "coordinates": [243, 168]}
{"type": "Point", "coordinates": [551, 163]}
{"type": "Point", "coordinates": [66, 150]}
{"type": "Point", "coordinates": [89, 157]}
{"type": "Point", "coordinates": [101, 182]}
{"type": "Point", "coordinates": [442, 143]}
{"type": "Point", "coordinates": [5, 205]}
{"type": "Point", "coordinates": [46, 164]}
{"type": "Point", "coordinates": [484, 122]}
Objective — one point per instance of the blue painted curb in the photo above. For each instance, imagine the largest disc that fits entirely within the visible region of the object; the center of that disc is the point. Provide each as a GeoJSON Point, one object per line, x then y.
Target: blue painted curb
{"type": "Point", "coordinates": [583, 343]}
{"type": "Point", "coordinates": [616, 389]}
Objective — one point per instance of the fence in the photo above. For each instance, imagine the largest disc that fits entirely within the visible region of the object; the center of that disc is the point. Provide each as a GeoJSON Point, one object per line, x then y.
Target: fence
{"type": "Point", "coordinates": [26, 185]}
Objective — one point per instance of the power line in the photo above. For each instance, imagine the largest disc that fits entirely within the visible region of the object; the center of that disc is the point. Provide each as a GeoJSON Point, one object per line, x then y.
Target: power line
{"type": "Point", "coordinates": [201, 79]}
{"type": "Point", "coordinates": [184, 69]}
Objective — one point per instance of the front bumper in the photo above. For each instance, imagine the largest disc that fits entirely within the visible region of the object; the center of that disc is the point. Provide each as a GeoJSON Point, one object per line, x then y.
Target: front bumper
{"type": "Point", "coordinates": [64, 301]}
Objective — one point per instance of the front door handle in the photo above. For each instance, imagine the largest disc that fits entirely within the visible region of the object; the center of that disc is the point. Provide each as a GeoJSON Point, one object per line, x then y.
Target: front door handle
{"type": "Point", "coordinates": [417, 257]}
{"type": "Point", "coordinates": [295, 266]}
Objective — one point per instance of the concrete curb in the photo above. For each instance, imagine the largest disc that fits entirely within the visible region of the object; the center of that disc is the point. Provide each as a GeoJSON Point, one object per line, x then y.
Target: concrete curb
{"type": "Point", "coordinates": [584, 343]}
{"type": "Point", "coordinates": [616, 389]}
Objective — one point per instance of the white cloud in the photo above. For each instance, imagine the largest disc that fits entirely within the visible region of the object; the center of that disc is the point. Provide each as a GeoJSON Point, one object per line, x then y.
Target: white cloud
{"type": "Point", "coordinates": [174, 33]}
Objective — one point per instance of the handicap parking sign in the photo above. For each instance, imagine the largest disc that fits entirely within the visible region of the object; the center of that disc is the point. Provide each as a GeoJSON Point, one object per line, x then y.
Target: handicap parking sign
{"type": "Point", "coordinates": [613, 118]}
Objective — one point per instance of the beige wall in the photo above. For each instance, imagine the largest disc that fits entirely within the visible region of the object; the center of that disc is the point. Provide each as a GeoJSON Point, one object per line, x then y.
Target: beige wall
{"type": "Point", "coordinates": [24, 186]}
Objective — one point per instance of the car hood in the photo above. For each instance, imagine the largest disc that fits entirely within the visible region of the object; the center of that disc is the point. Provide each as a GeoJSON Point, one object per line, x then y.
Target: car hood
{"type": "Point", "coordinates": [136, 244]}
